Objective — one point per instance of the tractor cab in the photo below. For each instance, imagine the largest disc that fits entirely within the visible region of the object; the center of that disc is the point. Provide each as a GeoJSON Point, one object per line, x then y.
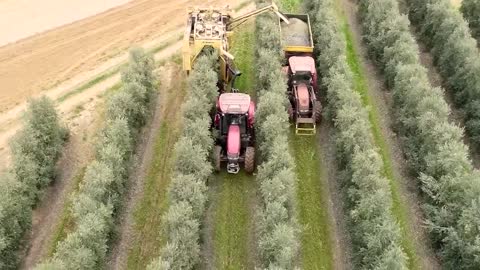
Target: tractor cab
{"type": "Point", "coordinates": [234, 125]}
{"type": "Point", "coordinates": [304, 109]}
{"type": "Point", "coordinates": [302, 69]}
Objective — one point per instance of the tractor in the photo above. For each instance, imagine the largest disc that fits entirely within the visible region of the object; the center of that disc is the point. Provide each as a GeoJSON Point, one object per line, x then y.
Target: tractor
{"type": "Point", "coordinates": [304, 109]}
{"type": "Point", "coordinates": [234, 131]}
{"type": "Point", "coordinates": [234, 113]}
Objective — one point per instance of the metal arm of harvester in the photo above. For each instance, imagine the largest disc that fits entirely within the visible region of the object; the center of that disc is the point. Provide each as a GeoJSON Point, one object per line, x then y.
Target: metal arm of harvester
{"type": "Point", "coordinates": [242, 19]}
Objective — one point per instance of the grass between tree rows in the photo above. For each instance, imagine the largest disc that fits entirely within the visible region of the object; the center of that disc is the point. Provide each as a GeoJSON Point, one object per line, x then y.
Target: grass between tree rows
{"type": "Point", "coordinates": [232, 217]}
{"type": "Point", "coordinates": [316, 243]}
{"type": "Point", "coordinates": [233, 220]}
{"type": "Point", "coordinates": [361, 86]}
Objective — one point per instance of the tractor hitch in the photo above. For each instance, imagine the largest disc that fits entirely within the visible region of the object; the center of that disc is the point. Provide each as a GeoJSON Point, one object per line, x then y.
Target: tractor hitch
{"type": "Point", "coordinates": [233, 168]}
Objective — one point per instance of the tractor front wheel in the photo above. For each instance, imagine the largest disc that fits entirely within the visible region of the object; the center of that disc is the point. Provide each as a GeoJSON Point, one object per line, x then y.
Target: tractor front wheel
{"type": "Point", "coordinates": [318, 112]}
{"type": "Point", "coordinates": [217, 154]}
{"type": "Point", "coordinates": [250, 159]}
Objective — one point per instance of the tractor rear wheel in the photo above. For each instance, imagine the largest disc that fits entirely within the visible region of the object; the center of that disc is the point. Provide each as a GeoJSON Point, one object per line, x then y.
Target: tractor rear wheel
{"type": "Point", "coordinates": [290, 112]}
{"type": "Point", "coordinates": [217, 157]}
{"type": "Point", "coordinates": [250, 159]}
{"type": "Point", "coordinates": [318, 111]}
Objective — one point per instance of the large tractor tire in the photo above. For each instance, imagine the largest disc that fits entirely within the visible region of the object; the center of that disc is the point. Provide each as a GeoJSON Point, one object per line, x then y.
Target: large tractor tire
{"type": "Point", "coordinates": [250, 160]}
{"type": "Point", "coordinates": [290, 112]}
{"type": "Point", "coordinates": [217, 158]}
{"type": "Point", "coordinates": [317, 107]}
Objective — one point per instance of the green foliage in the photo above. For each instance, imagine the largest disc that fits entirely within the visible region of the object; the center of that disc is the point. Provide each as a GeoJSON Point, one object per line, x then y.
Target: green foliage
{"type": "Point", "coordinates": [188, 191]}
{"type": "Point", "coordinates": [277, 226]}
{"type": "Point", "coordinates": [94, 205]}
{"type": "Point", "coordinates": [15, 219]}
{"type": "Point", "coordinates": [37, 147]}
{"type": "Point", "coordinates": [455, 54]}
{"type": "Point", "coordinates": [35, 151]}
{"type": "Point", "coordinates": [434, 147]}
{"type": "Point", "coordinates": [375, 233]}
{"type": "Point", "coordinates": [471, 12]}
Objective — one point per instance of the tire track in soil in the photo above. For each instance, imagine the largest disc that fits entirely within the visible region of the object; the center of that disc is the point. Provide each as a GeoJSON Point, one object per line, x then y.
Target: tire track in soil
{"type": "Point", "coordinates": [408, 185]}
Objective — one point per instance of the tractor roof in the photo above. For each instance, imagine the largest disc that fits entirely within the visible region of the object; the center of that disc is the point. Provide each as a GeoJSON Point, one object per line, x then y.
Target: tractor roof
{"type": "Point", "coordinates": [234, 103]}
{"type": "Point", "coordinates": [302, 63]}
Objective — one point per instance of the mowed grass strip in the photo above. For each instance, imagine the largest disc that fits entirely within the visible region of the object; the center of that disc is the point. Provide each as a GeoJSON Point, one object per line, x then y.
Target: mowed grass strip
{"type": "Point", "coordinates": [361, 86]}
{"type": "Point", "coordinates": [233, 220]}
{"type": "Point", "coordinates": [232, 214]}
{"type": "Point", "coordinates": [316, 246]}
{"type": "Point", "coordinates": [152, 206]}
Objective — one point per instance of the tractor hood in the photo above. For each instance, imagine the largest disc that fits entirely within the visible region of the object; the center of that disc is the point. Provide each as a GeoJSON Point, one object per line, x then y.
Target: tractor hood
{"type": "Point", "coordinates": [233, 142]}
{"type": "Point", "coordinates": [302, 64]}
{"type": "Point", "coordinates": [303, 98]}
{"type": "Point", "coordinates": [234, 103]}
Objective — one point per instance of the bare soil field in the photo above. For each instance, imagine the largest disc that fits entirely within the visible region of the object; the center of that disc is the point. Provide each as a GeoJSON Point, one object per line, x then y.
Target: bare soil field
{"type": "Point", "coordinates": [41, 62]}
{"type": "Point", "coordinates": [32, 17]}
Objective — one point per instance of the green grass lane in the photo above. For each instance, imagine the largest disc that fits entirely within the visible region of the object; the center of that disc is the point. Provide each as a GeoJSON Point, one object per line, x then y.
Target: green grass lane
{"type": "Point", "coordinates": [316, 246]}
{"type": "Point", "coordinates": [399, 209]}
{"type": "Point", "coordinates": [232, 220]}
{"type": "Point", "coordinates": [290, 6]}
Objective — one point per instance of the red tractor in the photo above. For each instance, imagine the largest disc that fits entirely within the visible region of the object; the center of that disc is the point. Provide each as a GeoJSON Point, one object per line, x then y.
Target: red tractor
{"type": "Point", "coordinates": [305, 110]}
{"type": "Point", "coordinates": [234, 132]}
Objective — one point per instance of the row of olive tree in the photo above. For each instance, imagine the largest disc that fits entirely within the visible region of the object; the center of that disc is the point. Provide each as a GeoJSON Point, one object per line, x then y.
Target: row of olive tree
{"type": "Point", "coordinates": [471, 12]}
{"type": "Point", "coordinates": [375, 232]}
{"type": "Point", "coordinates": [188, 191]}
{"type": "Point", "coordinates": [455, 54]}
{"type": "Point", "coordinates": [35, 151]}
{"type": "Point", "coordinates": [434, 147]}
{"type": "Point", "coordinates": [278, 229]}
{"type": "Point", "coordinates": [95, 204]}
